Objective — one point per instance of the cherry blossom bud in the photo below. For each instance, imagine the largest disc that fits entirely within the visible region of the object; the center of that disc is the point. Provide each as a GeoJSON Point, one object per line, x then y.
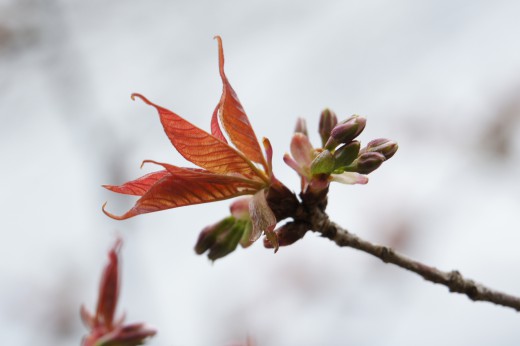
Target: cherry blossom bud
{"type": "Point", "coordinates": [383, 146]}
{"type": "Point", "coordinates": [369, 162]}
{"type": "Point", "coordinates": [301, 127]}
{"type": "Point", "coordinates": [328, 120]}
{"type": "Point", "coordinates": [346, 131]}
{"type": "Point", "coordinates": [323, 163]}
{"type": "Point", "coordinates": [346, 154]}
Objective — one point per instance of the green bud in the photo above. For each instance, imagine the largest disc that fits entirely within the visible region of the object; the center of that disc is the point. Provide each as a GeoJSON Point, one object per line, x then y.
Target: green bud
{"type": "Point", "coordinates": [369, 162]}
{"type": "Point", "coordinates": [346, 131]}
{"type": "Point", "coordinates": [383, 146]}
{"type": "Point", "coordinates": [323, 163]}
{"type": "Point", "coordinates": [301, 127]}
{"type": "Point", "coordinates": [346, 154]}
{"type": "Point", "coordinates": [327, 122]}
{"type": "Point", "coordinates": [227, 242]}
{"type": "Point", "coordinates": [221, 238]}
{"type": "Point", "coordinates": [209, 234]}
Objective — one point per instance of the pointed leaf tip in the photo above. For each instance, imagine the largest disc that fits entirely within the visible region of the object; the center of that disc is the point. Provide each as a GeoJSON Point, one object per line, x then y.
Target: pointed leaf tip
{"type": "Point", "coordinates": [112, 216]}
{"type": "Point", "coordinates": [144, 99]}
{"type": "Point", "coordinates": [220, 56]}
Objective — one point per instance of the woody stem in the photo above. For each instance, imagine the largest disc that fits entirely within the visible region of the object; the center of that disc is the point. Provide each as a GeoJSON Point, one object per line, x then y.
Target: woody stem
{"type": "Point", "coordinates": [453, 280]}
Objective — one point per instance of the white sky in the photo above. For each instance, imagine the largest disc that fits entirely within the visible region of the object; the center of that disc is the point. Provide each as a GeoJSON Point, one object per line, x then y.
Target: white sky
{"type": "Point", "coordinates": [433, 75]}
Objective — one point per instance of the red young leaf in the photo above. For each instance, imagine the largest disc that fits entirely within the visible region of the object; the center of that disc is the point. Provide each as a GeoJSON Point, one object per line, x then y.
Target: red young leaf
{"type": "Point", "coordinates": [195, 173]}
{"type": "Point", "coordinates": [186, 187]}
{"type": "Point", "coordinates": [103, 328]}
{"type": "Point", "coordinates": [200, 147]}
{"type": "Point", "coordinates": [234, 118]}
{"type": "Point", "coordinates": [109, 288]}
{"type": "Point", "coordinates": [215, 127]}
{"type": "Point", "coordinates": [138, 187]}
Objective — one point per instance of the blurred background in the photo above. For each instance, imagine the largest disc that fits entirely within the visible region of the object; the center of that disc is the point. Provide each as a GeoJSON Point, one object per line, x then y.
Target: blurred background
{"type": "Point", "coordinates": [442, 78]}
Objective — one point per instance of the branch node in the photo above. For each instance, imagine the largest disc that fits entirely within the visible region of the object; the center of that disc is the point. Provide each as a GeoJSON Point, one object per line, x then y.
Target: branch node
{"type": "Point", "coordinates": [456, 282]}
{"type": "Point", "coordinates": [385, 254]}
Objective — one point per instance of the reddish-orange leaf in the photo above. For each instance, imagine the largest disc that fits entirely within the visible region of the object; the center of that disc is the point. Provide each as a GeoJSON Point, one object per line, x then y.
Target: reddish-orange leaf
{"type": "Point", "coordinates": [200, 147]}
{"type": "Point", "coordinates": [215, 127]}
{"type": "Point", "coordinates": [234, 118]}
{"type": "Point", "coordinates": [186, 187]}
{"type": "Point", "coordinates": [138, 187]}
{"type": "Point", "coordinates": [201, 174]}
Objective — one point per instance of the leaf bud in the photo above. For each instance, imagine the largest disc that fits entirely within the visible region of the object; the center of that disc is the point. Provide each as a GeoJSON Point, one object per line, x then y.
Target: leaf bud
{"type": "Point", "coordinates": [328, 120]}
{"type": "Point", "coordinates": [210, 235]}
{"type": "Point", "coordinates": [323, 163]}
{"type": "Point", "coordinates": [369, 162]}
{"type": "Point", "coordinates": [227, 242]}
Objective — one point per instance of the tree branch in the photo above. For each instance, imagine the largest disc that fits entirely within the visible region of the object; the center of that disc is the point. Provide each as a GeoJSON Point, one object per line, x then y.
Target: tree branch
{"type": "Point", "coordinates": [453, 280]}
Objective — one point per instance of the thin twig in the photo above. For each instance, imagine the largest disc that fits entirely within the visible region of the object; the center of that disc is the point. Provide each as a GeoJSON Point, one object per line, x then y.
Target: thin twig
{"type": "Point", "coordinates": [452, 279]}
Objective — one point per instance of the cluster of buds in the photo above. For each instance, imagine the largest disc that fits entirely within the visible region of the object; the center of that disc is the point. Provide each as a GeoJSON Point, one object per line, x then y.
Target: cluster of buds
{"type": "Point", "coordinates": [105, 330]}
{"type": "Point", "coordinates": [341, 157]}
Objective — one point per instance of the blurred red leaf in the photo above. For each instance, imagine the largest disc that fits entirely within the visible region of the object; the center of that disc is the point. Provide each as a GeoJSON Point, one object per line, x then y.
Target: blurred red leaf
{"type": "Point", "coordinates": [109, 288]}
{"type": "Point", "coordinates": [103, 329]}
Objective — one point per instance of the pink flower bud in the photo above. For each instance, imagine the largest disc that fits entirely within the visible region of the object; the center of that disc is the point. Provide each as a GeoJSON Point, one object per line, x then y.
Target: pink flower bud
{"type": "Point", "coordinates": [301, 127]}
{"type": "Point", "coordinates": [369, 162]}
{"type": "Point", "coordinates": [383, 146]}
{"type": "Point", "coordinates": [346, 131]}
{"type": "Point", "coordinates": [327, 122]}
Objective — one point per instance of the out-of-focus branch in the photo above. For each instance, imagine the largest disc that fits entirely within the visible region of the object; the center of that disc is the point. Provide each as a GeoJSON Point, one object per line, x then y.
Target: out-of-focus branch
{"type": "Point", "coordinates": [453, 279]}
